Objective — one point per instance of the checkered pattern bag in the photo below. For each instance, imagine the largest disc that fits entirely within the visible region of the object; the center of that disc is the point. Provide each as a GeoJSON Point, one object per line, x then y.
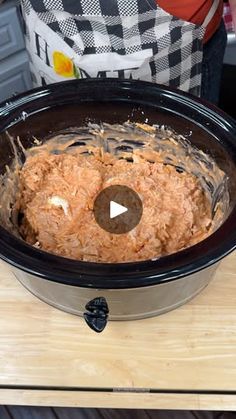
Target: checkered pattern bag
{"type": "Point", "coordinates": [116, 38]}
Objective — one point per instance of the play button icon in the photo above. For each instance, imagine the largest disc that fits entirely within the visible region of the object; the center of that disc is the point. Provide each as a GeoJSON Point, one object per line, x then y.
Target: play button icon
{"type": "Point", "coordinates": [118, 209]}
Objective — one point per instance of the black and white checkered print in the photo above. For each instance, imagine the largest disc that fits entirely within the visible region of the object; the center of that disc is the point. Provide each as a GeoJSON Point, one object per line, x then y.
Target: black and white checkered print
{"type": "Point", "coordinates": [125, 27]}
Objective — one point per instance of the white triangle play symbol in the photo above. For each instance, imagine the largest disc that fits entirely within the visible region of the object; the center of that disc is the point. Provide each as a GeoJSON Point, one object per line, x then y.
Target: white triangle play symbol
{"type": "Point", "coordinates": [116, 209]}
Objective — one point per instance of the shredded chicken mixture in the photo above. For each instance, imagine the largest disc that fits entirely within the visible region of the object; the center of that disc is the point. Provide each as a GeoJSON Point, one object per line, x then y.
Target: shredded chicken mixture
{"type": "Point", "coordinates": [57, 194]}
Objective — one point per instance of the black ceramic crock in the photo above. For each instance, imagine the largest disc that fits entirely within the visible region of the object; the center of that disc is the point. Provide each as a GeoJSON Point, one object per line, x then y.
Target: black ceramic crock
{"type": "Point", "coordinates": [49, 109]}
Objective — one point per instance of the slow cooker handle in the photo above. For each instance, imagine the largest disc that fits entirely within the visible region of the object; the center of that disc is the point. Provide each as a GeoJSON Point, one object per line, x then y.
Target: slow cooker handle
{"type": "Point", "coordinates": [96, 315]}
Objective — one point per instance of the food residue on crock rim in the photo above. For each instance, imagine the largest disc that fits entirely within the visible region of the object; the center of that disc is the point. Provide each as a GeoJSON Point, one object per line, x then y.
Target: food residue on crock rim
{"type": "Point", "coordinates": [59, 182]}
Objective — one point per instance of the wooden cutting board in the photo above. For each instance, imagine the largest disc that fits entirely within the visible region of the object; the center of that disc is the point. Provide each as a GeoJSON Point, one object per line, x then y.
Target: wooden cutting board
{"type": "Point", "coordinates": [182, 359]}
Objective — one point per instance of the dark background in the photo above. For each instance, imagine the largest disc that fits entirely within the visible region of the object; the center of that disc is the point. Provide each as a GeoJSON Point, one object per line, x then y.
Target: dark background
{"type": "Point", "coordinates": [228, 89]}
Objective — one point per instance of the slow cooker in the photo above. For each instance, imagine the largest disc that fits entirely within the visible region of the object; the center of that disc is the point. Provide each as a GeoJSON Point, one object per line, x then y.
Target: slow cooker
{"type": "Point", "coordinates": [122, 291]}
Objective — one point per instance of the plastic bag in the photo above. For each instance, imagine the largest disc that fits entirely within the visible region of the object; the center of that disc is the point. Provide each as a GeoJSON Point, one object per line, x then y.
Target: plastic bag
{"type": "Point", "coordinates": [232, 4]}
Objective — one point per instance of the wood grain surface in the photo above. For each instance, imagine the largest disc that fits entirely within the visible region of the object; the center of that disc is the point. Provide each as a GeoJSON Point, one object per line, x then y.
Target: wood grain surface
{"type": "Point", "coordinates": [96, 399]}
{"type": "Point", "coordinates": [190, 350]}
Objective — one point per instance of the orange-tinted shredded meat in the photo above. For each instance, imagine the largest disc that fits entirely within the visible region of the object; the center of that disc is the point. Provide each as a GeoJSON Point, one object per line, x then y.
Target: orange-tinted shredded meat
{"type": "Point", "coordinates": [176, 212]}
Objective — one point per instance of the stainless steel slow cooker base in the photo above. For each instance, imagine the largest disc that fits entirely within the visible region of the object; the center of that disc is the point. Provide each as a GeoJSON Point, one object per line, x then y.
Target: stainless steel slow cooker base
{"type": "Point", "coordinates": [123, 304]}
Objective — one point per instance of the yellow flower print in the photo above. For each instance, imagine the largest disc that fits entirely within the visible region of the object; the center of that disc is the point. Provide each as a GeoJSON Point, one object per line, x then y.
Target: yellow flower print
{"type": "Point", "coordinates": [64, 66]}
